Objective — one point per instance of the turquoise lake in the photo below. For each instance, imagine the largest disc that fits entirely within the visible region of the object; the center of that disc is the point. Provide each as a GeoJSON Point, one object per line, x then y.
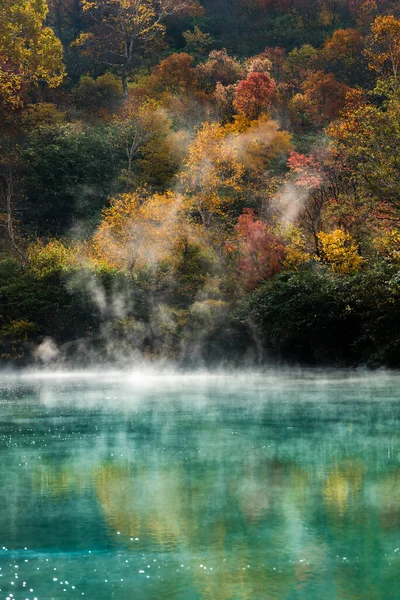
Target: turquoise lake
{"type": "Point", "coordinates": [275, 486]}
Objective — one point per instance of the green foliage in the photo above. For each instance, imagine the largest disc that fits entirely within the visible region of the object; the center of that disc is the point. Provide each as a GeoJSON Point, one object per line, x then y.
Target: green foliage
{"type": "Point", "coordinates": [45, 259]}
{"type": "Point", "coordinates": [94, 95]}
{"type": "Point", "coordinates": [299, 315]}
{"type": "Point", "coordinates": [44, 303]}
{"type": "Point", "coordinates": [322, 318]}
{"type": "Point", "coordinates": [197, 42]}
{"type": "Point", "coordinates": [70, 172]}
{"type": "Point", "coordinates": [302, 60]}
{"type": "Point", "coordinates": [59, 304]}
{"type": "Point", "coordinates": [190, 270]}
{"type": "Point", "coordinates": [42, 114]}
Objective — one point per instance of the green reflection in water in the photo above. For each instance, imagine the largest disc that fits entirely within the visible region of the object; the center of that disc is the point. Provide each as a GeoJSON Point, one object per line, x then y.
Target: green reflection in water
{"type": "Point", "coordinates": [256, 487]}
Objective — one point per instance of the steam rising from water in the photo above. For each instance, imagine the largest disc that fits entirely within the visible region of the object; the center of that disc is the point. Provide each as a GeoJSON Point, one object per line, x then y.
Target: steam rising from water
{"type": "Point", "coordinates": [164, 388]}
{"type": "Point", "coordinates": [153, 375]}
{"type": "Point", "coordinates": [115, 306]}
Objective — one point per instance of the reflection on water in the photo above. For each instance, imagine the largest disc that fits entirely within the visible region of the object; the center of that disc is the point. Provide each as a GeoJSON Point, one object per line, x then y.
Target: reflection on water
{"type": "Point", "coordinates": [221, 488]}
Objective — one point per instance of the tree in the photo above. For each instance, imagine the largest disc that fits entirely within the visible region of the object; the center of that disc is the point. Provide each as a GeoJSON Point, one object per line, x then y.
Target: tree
{"type": "Point", "coordinates": [101, 95]}
{"type": "Point", "coordinates": [344, 45]}
{"type": "Point", "coordinates": [69, 171]}
{"type": "Point", "coordinates": [259, 64]}
{"type": "Point", "coordinates": [197, 42]}
{"type": "Point", "coordinates": [322, 100]}
{"type": "Point", "coordinates": [327, 194]}
{"type": "Point", "coordinates": [65, 18]}
{"type": "Point", "coordinates": [367, 137]}
{"type": "Point", "coordinates": [307, 169]}
{"type": "Point", "coordinates": [220, 68]}
{"type": "Point", "coordinates": [254, 95]}
{"type": "Point", "coordinates": [321, 185]}
{"type": "Point", "coordinates": [383, 47]}
{"type": "Point", "coordinates": [224, 96]}
{"type": "Point", "coordinates": [10, 200]}
{"type": "Point", "coordinates": [54, 256]}
{"type": "Point", "coordinates": [29, 51]}
{"type": "Point", "coordinates": [144, 135]}
{"type": "Point", "coordinates": [301, 61]}
{"type": "Point", "coordinates": [340, 252]}
{"type": "Point", "coordinates": [213, 174]}
{"type": "Point", "coordinates": [387, 244]}
{"type": "Point", "coordinates": [262, 146]}
{"type": "Point", "coordinates": [343, 53]}
{"type": "Point", "coordinates": [363, 12]}
{"type": "Point", "coordinates": [174, 75]}
{"type": "Point", "coordinates": [229, 167]}
{"type": "Point", "coordinates": [124, 29]}
{"type": "Point", "coordinates": [309, 194]}
{"type": "Point", "coordinates": [261, 251]}
{"type": "Point", "coordinates": [277, 56]}
{"type": "Point", "coordinates": [138, 229]}
{"type": "Point", "coordinates": [41, 114]}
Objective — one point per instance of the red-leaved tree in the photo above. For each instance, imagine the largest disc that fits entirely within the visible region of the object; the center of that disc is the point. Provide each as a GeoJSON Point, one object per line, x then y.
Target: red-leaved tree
{"type": "Point", "coordinates": [260, 250]}
{"type": "Point", "coordinates": [307, 170]}
{"type": "Point", "coordinates": [254, 95]}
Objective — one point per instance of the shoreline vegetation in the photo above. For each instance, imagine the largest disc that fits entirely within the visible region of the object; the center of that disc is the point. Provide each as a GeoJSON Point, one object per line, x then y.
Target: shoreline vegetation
{"type": "Point", "coordinates": [200, 182]}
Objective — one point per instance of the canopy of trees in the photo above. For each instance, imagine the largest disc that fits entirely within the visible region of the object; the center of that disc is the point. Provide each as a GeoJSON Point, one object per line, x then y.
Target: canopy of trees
{"type": "Point", "coordinates": [201, 178]}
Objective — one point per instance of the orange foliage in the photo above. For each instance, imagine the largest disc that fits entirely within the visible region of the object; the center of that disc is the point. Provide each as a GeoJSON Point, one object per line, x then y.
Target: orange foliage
{"type": "Point", "coordinates": [344, 46]}
{"type": "Point", "coordinates": [383, 46]}
{"type": "Point", "coordinates": [174, 74]}
{"type": "Point", "coordinates": [364, 12]}
{"type": "Point", "coordinates": [323, 98]}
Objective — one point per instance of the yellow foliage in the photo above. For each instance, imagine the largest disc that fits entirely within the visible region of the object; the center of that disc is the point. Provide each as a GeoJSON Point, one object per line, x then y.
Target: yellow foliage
{"type": "Point", "coordinates": [261, 142]}
{"type": "Point", "coordinates": [388, 244]}
{"type": "Point", "coordinates": [258, 142]}
{"type": "Point", "coordinates": [340, 252]}
{"type": "Point", "coordinates": [138, 230]}
{"type": "Point", "coordinates": [383, 46]}
{"type": "Point", "coordinates": [212, 161]}
{"type": "Point", "coordinates": [42, 114]}
{"type": "Point", "coordinates": [213, 171]}
{"type": "Point", "coordinates": [221, 156]}
{"type": "Point", "coordinates": [295, 247]}
{"type": "Point", "coordinates": [44, 258]}
{"type": "Point", "coordinates": [29, 51]}
{"type": "Point", "coordinates": [240, 124]}
{"type": "Point", "coordinates": [222, 162]}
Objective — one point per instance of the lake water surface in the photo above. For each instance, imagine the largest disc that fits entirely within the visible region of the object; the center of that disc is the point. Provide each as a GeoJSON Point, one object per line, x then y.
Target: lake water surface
{"type": "Point", "coordinates": [283, 486]}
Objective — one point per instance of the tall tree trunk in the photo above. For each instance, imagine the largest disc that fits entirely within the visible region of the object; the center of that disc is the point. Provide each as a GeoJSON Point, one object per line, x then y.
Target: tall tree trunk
{"type": "Point", "coordinates": [8, 201]}
{"type": "Point", "coordinates": [124, 78]}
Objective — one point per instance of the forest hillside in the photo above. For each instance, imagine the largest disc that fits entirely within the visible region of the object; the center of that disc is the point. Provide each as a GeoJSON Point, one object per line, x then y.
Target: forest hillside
{"type": "Point", "coordinates": [200, 181]}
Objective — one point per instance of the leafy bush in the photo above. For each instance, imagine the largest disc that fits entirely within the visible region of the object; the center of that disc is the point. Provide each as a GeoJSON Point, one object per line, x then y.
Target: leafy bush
{"type": "Point", "coordinates": [316, 316]}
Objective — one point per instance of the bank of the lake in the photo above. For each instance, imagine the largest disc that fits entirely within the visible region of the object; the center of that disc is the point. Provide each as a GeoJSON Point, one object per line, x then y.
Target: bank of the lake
{"type": "Point", "coordinates": [308, 316]}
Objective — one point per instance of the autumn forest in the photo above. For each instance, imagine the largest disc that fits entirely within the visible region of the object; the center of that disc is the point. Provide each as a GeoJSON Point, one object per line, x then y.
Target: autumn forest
{"type": "Point", "coordinates": [200, 181]}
